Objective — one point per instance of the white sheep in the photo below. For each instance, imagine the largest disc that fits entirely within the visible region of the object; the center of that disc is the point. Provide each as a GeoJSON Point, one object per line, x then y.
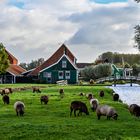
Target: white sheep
{"type": "Point", "coordinates": [106, 110]}
{"type": "Point", "coordinates": [94, 103]}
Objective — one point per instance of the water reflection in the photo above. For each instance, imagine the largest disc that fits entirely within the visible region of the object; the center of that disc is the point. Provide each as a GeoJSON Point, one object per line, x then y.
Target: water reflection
{"type": "Point", "coordinates": [128, 94]}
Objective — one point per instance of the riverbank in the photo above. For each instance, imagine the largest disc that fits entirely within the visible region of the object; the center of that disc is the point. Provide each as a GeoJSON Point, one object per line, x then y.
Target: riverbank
{"type": "Point", "coordinates": [128, 94]}
{"type": "Point", "coordinates": [53, 121]}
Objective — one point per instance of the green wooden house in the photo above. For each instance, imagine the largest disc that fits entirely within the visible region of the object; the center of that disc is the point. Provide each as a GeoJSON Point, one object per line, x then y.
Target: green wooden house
{"type": "Point", "coordinates": [60, 66]}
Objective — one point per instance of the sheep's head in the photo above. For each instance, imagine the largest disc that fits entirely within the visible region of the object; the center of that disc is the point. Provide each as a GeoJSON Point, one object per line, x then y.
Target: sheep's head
{"type": "Point", "coordinates": [115, 116]}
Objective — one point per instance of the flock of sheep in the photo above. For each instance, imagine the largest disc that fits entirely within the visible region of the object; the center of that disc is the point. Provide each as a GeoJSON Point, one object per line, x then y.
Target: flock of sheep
{"type": "Point", "coordinates": [101, 110]}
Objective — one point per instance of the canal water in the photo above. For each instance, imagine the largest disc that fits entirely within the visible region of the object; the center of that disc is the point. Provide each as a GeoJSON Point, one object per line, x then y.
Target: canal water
{"type": "Point", "coordinates": [128, 94]}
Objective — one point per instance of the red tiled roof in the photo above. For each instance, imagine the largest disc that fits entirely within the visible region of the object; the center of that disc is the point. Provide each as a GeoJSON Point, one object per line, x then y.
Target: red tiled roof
{"type": "Point", "coordinates": [11, 58]}
{"type": "Point", "coordinates": [15, 69]}
{"type": "Point", "coordinates": [54, 58]}
{"type": "Point", "coordinates": [83, 65]}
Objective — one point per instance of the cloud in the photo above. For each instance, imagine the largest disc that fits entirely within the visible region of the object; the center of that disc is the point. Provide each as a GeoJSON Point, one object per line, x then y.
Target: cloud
{"type": "Point", "coordinates": [37, 28]}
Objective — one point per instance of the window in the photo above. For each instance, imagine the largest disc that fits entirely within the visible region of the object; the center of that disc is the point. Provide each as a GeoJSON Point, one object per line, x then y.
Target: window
{"type": "Point", "coordinates": [67, 74]}
{"type": "Point", "coordinates": [64, 64]}
{"type": "Point", "coordinates": [60, 74]}
{"type": "Point", "coordinates": [47, 74]}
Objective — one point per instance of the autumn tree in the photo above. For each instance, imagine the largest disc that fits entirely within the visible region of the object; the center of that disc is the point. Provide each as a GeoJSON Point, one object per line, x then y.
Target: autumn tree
{"type": "Point", "coordinates": [4, 61]}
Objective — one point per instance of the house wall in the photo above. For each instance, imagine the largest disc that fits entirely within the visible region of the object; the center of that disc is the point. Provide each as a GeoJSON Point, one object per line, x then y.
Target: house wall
{"type": "Point", "coordinates": [54, 70]}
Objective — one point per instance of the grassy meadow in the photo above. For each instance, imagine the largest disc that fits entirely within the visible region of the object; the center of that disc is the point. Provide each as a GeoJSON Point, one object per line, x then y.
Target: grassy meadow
{"type": "Point", "coordinates": [53, 122]}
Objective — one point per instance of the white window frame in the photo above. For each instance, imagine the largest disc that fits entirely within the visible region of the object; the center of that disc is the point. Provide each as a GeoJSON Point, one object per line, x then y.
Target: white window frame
{"type": "Point", "coordinates": [67, 76]}
{"type": "Point", "coordinates": [47, 74]}
{"type": "Point", "coordinates": [64, 64]}
{"type": "Point", "coordinates": [60, 77]}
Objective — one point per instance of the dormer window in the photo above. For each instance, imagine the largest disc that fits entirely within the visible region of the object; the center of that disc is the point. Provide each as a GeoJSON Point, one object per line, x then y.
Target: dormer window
{"type": "Point", "coordinates": [64, 64]}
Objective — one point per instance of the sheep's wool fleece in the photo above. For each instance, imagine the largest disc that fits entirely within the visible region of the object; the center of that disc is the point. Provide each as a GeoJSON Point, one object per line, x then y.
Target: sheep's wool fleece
{"type": "Point", "coordinates": [91, 100]}
{"type": "Point", "coordinates": [17, 103]}
{"type": "Point", "coordinates": [105, 109]}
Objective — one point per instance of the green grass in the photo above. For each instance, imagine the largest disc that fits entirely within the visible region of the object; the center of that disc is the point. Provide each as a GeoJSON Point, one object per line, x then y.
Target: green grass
{"type": "Point", "coordinates": [52, 121]}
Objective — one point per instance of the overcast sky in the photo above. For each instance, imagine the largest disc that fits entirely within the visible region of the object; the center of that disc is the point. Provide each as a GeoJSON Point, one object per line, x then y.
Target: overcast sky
{"type": "Point", "coordinates": [31, 29]}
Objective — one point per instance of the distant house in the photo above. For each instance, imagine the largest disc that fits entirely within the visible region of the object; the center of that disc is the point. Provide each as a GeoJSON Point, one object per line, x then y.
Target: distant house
{"type": "Point", "coordinates": [60, 66]}
{"type": "Point", "coordinates": [13, 71]}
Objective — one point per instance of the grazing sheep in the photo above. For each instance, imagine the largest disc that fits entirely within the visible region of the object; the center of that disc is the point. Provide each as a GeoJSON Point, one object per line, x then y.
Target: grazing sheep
{"type": "Point", "coordinates": [6, 91]}
{"type": "Point", "coordinates": [78, 105]}
{"type": "Point", "coordinates": [101, 94]}
{"type": "Point", "coordinates": [91, 81]}
{"type": "Point", "coordinates": [19, 108]}
{"type": "Point", "coordinates": [44, 99]}
{"type": "Point", "coordinates": [81, 94]}
{"type": "Point", "coordinates": [106, 110]}
{"type": "Point", "coordinates": [115, 97]}
{"type": "Point", "coordinates": [94, 104]}
{"type": "Point", "coordinates": [134, 109]}
{"type": "Point", "coordinates": [6, 99]}
{"type": "Point", "coordinates": [36, 89]}
{"type": "Point", "coordinates": [89, 96]}
{"type": "Point", "coordinates": [61, 91]}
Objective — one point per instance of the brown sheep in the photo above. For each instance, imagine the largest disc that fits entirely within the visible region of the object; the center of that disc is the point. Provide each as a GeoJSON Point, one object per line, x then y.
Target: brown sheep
{"type": "Point", "coordinates": [78, 105]}
{"type": "Point", "coordinates": [6, 91]}
{"type": "Point", "coordinates": [115, 97]}
{"type": "Point", "coordinates": [106, 110]}
{"type": "Point", "coordinates": [101, 94]}
{"type": "Point", "coordinates": [19, 108]}
{"type": "Point", "coordinates": [44, 99]}
{"type": "Point", "coordinates": [134, 109]}
{"type": "Point", "coordinates": [61, 91]}
{"type": "Point", "coordinates": [36, 89]}
{"type": "Point", "coordinates": [89, 96]}
{"type": "Point", "coordinates": [6, 99]}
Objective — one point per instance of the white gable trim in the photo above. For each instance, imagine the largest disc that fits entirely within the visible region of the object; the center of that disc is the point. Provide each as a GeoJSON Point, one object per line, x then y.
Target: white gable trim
{"type": "Point", "coordinates": [58, 62]}
{"type": "Point", "coordinates": [11, 73]}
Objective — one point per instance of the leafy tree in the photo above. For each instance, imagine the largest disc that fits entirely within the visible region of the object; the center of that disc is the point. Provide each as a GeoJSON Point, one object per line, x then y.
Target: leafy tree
{"type": "Point", "coordinates": [4, 61]}
{"type": "Point", "coordinates": [118, 59]}
{"type": "Point", "coordinates": [24, 65]}
{"type": "Point", "coordinates": [33, 64]}
{"type": "Point", "coordinates": [126, 65]}
{"type": "Point", "coordinates": [136, 69]}
{"type": "Point", "coordinates": [98, 71]}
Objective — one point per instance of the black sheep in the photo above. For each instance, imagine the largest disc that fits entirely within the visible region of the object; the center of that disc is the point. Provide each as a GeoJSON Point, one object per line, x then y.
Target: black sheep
{"type": "Point", "coordinates": [19, 108]}
{"type": "Point", "coordinates": [6, 99]}
{"type": "Point", "coordinates": [115, 97]}
{"type": "Point", "coordinates": [101, 94]}
{"type": "Point", "coordinates": [44, 99]}
{"type": "Point", "coordinates": [78, 105]}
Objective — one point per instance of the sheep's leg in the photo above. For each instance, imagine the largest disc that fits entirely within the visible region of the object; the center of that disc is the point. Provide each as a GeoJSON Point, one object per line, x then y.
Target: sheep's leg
{"type": "Point", "coordinates": [99, 117]}
{"type": "Point", "coordinates": [108, 117]}
{"type": "Point", "coordinates": [75, 113]}
{"type": "Point", "coordinates": [80, 113]}
{"type": "Point", "coordinates": [17, 113]}
{"type": "Point", "coordinates": [71, 112]}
